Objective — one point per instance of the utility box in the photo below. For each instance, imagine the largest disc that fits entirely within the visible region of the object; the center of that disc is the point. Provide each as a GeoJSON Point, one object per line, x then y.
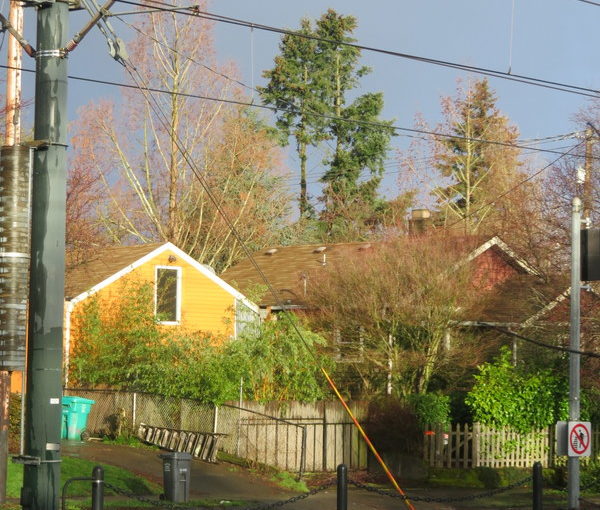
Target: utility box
{"type": "Point", "coordinates": [176, 476]}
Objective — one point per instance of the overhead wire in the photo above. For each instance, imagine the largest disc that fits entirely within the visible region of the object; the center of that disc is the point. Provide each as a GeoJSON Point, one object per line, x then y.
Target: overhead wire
{"type": "Point", "coordinates": [522, 144]}
{"type": "Point", "coordinates": [539, 343]}
{"type": "Point", "coordinates": [516, 186]}
{"type": "Point", "coordinates": [402, 130]}
{"type": "Point", "coordinates": [550, 84]}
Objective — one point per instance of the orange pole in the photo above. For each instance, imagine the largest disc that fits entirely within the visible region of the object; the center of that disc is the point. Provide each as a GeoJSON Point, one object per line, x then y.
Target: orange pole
{"type": "Point", "coordinates": [367, 440]}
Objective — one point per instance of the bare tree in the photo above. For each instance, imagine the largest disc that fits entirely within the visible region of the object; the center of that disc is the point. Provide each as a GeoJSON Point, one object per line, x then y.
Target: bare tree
{"type": "Point", "coordinates": [171, 164]}
{"type": "Point", "coordinates": [396, 308]}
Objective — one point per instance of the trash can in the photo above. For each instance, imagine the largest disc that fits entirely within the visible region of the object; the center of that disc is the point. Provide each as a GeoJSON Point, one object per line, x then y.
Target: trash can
{"type": "Point", "coordinates": [176, 476]}
{"type": "Point", "coordinates": [75, 411]}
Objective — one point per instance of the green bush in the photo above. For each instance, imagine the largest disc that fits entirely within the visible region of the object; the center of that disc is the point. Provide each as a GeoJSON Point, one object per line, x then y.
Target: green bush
{"type": "Point", "coordinates": [590, 475]}
{"type": "Point", "coordinates": [507, 396]}
{"type": "Point", "coordinates": [430, 408]}
{"type": "Point", "coordinates": [123, 347]}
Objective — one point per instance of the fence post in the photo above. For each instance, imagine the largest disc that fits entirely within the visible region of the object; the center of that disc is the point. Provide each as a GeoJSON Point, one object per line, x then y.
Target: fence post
{"type": "Point", "coordinates": [134, 411]}
{"type": "Point", "coordinates": [538, 481]}
{"type": "Point", "coordinates": [98, 488]}
{"type": "Point", "coordinates": [342, 487]}
{"type": "Point", "coordinates": [303, 454]}
{"type": "Point", "coordinates": [325, 444]}
{"type": "Point", "coordinates": [216, 420]}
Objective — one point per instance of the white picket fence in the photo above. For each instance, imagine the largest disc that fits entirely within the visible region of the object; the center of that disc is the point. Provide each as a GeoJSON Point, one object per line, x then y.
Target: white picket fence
{"type": "Point", "coordinates": [466, 446]}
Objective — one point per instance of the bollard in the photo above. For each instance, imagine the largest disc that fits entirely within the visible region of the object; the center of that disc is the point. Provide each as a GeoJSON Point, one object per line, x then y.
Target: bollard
{"type": "Point", "coordinates": [98, 488]}
{"type": "Point", "coordinates": [342, 487]}
{"type": "Point", "coordinates": [538, 482]}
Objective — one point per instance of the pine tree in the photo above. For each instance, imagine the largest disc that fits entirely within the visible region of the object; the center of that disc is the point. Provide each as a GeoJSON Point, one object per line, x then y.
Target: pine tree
{"type": "Point", "coordinates": [294, 88]}
{"type": "Point", "coordinates": [310, 82]}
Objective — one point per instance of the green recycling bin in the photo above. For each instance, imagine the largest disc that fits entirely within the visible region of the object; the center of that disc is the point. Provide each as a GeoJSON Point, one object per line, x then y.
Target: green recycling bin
{"type": "Point", "coordinates": [75, 411]}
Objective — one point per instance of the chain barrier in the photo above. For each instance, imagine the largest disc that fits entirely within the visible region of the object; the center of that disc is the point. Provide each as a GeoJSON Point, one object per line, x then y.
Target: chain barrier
{"type": "Point", "coordinates": [262, 506]}
{"type": "Point", "coordinates": [589, 504]}
{"type": "Point", "coordinates": [472, 497]}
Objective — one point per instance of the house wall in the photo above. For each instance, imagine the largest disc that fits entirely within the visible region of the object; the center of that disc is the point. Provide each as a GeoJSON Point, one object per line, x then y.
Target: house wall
{"type": "Point", "coordinates": [491, 269]}
{"type": "Point", "coordinates": [205, 306]}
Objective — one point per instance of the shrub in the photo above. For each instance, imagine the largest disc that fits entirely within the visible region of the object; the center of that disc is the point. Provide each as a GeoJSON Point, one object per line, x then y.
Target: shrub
{"type": "Point", "coordinates": [430, 408]}
{"type": "Point", "coordinates": [394, 427]}
{"type": "Point", "coordinates": [506, 396]}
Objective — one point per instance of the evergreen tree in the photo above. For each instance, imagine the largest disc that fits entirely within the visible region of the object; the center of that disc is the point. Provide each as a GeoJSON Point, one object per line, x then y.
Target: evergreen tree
{"type": "Point", "coordinates": [295, 87]}
{"type": "Point", "coordinates": [310, 83]}
{"type": "Point", "coordinates": [478, 171]}
{"type": "Point", "coordinates": [361, 139]}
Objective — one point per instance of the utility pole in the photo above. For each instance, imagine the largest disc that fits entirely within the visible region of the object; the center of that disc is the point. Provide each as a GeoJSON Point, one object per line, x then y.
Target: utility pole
{"type": "Point", "coordinates": [14, 248]}
{"type": "Point", "coordinates": [588, 183]}
{"type": "Point", "coordinates": [41, 483]}
{"type": "Point", "coordinates": [574, 359]}
{"type": "Point", "coordinates": [13, 77]}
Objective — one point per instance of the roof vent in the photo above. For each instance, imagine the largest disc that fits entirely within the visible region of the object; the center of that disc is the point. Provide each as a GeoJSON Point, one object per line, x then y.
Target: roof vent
{"type": "Point", "coordinates": [320, 249]}
{"type": "Point", "coordinates": [272, 251]}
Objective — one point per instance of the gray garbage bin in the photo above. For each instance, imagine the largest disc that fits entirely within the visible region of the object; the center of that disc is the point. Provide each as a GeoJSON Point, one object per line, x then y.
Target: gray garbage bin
{"type": "Point", "coordinates": [176, 476]}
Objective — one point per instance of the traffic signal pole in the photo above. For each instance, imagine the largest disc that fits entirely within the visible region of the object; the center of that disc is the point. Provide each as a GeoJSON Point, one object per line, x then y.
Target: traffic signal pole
{"type": "Point", "coordinates": [41, 484]}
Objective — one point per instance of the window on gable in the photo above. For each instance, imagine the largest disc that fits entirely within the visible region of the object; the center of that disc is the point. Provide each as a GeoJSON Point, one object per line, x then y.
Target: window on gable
{"type": "Point", "coordinates": [348, 342]}
{"type": "Point", "coordinates": [246, 319]}
{"type": "Point", "coordinates": [168, 295]}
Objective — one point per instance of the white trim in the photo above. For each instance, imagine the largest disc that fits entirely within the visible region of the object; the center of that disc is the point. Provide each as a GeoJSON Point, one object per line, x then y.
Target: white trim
{"type": "Point", "coordinates": [496, 241]}
{"type": "Point", "coordinates": [179, 253]}
{"type": "Point", "coordinates": [553, 304]}
{"type": "Point", "coordinates": [178, 270]}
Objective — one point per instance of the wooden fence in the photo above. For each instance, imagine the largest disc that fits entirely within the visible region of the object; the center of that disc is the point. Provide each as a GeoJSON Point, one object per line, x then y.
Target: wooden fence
{"type": "Point", "coordinates": [466, 446]}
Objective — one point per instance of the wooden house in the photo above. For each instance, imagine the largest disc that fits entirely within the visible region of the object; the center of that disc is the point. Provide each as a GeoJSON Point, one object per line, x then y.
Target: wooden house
{"type": "Point", "coordinates": [187, 294]}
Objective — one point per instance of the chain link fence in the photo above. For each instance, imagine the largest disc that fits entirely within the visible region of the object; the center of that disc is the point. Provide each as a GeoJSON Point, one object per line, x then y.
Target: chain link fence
{"type": "Point", "coordinates": [318, 443]}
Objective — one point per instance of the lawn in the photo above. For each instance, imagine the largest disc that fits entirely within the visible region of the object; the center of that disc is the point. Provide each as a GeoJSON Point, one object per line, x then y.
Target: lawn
{"type": "Point", "coordinates": [72, 467]}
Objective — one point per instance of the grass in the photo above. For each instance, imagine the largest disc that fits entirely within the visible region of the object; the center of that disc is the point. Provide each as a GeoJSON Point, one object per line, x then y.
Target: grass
{"type": "Point", "coordinates": [72, 467]}
{"type": "Point", "coordinates": [289, 481]}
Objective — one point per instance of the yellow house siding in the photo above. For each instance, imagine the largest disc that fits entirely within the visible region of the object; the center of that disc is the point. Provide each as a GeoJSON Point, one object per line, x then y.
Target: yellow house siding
{"type": "Point", "coordinates": [205, 306]}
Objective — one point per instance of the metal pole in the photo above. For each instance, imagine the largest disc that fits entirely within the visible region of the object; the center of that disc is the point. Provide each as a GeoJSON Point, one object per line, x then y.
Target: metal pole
{"type": "Point", "coordinates": [41, 482]}
{"type": "Point", "coordinates": [13, 77]}
{"type": "Point", "coordinates": [574, 361]}
{"type": "Point", "coordinates": [98, 488]}
{"type": "Point", "coordinates": [538, 482]}
{"type": "Point", "coordinates": [342, 487]}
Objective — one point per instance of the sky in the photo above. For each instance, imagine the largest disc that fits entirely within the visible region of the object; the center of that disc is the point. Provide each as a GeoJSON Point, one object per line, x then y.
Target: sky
{"type": "Point", "coordinates": [554, 40]}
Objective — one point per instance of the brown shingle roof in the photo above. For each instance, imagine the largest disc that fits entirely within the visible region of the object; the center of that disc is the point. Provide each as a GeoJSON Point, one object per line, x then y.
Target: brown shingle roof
{"type": "Point", "coordinates": [104, 264]}
{"type": "Point", "coordinates": [520, 298]}
{"type": "Point", "coordinates": [286, 266]}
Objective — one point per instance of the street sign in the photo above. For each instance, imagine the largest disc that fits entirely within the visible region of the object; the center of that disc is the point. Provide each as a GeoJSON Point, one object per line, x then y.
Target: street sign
{"type": "Point", "coordinates": [579, 439]}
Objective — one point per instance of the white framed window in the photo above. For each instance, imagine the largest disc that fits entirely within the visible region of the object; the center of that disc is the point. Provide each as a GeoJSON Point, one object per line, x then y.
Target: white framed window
{"type": "Point", "coordinates": [349, 344]}
{"type": "Point", "coordinates": [167, 294]}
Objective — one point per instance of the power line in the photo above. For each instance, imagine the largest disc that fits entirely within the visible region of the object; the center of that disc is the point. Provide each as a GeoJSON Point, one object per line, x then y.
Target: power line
{"type": "Point", "coordinates": [324, 116]}
{"type": "Point", "coordinates": [550, 84]}
{"type": "Point", "coordinates": [541, 344]}
{"type": "Point", "coordinates": [590, 2]}
{"type": "Point", "coordinates": [522, 143]}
